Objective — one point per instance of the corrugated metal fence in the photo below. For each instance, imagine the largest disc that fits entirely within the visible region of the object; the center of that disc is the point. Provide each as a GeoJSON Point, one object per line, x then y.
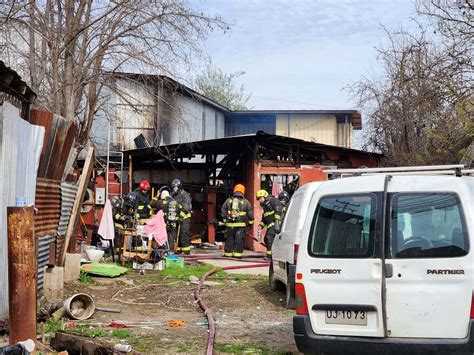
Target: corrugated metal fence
{"type": "Point", "coordinates": [20, 149]}
{"type": "Point", "coordinates": [43, 256]}
{"type": "Point", "coordinates": [68, 195]}
{"type": "Point", "coordinates": [48, 205]}
{"type": "Point", "coordinates": [54, 201]}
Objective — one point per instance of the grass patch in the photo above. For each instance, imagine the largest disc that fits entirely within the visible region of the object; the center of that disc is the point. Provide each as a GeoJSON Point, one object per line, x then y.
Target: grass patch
{"type": "Point", "coordinates": [186, 347]}
{"type": "Point", "coordinates": [121, 334]}
{"type": "Point", "coordinates": [87, 330]}
{"type": "Point", "coordinates": [183, 274]}
{"type": "Point", "coordinates": [242, 277]}
{"type": "Point", "coordinates": [248, 348]}
{"type": "Point", "coordinates": [52, 326]}
{"type": "Point", "coordinates": [257, 348]}
{"type": "Point", "coordinates": [143, 344]}
{"type": "Point", "coordinates": [85, 278]}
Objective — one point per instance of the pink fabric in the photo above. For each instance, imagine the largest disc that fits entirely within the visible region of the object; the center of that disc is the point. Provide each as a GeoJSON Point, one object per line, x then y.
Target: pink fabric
{"type": "Point", "coordinates": [157, 227]}
{"type": "Point", "coordinates": [106, 227]}
{"type": "Point", "coordinates": [276, 188]}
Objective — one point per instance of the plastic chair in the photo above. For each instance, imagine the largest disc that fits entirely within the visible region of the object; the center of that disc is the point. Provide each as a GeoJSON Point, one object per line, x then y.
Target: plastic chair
{"type": "Point", "coordinates": [97, 242]}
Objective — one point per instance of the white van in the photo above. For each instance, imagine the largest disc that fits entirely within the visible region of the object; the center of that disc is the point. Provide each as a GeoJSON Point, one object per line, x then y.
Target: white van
{"type": "Point", "coordinates": [385, 264]}
{"type": "Point", "coordinates": [285, 246]}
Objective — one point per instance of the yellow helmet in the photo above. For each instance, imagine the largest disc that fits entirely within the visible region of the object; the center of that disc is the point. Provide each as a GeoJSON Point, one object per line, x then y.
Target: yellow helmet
{"type": "Point", "coordinates": [239, 188]}
{"type": "Point", "coordinates": [262, 193]}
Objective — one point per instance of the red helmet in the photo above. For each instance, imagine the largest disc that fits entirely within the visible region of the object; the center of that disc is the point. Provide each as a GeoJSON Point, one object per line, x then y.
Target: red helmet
{"type": "Point", "coordinates": [145, 185]}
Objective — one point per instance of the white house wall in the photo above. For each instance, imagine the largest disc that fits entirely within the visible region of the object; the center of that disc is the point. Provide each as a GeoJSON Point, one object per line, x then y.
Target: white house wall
{"type": "Point", "coordinates": [20, 150]}
{"type": "Point", "coordinates": [188, 127]}
{"type": "Point", "coordinates": [135, 110]}
{"type": "Point", "coordinates": [315, 128]}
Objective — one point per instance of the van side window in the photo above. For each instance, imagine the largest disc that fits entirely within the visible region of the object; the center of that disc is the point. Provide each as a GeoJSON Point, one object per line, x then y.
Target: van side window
{"type": "Point", "coordinates": [425, 225]}
{"type": "Point", "coordinates": [293, 214]}
{"type": "Point", "coordinates": [344, 227]}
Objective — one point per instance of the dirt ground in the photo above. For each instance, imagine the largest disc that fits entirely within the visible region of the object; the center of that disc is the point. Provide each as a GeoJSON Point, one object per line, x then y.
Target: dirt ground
{"type": "Point", "coordinates": [249, 317]}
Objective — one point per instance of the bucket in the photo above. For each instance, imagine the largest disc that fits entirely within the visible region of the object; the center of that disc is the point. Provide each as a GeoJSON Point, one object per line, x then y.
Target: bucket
{"type": "Point", "coordinates": [80, 306]}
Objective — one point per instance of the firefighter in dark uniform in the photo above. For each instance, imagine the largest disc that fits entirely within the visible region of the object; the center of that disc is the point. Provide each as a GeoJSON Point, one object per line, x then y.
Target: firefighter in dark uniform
{"type": "Point", "coordinates": [284, 198]}
{"type": "Point", "coordinates": [143, 208]}
{"type": "Point", "coordinates": [184, 199]}
{"type": "Point", "coordinates": [128, 213]}
{"type": "Point", "coordinates": [237, 213]}
{"type": "Point", "coordinates": [172, 214]}
{"type": "Point", "coordinates": [271, 219]}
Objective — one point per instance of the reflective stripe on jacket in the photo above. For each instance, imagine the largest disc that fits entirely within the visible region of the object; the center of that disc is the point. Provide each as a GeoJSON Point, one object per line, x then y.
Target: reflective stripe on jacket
{"type": "Point", "coordinates": [272, 210]}
{"type": "Point", "coordinates": [245, 212]}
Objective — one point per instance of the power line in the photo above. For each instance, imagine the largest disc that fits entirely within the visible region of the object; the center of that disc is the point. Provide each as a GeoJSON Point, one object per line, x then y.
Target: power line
{"type": "Point", "coordinates": [297, 102]}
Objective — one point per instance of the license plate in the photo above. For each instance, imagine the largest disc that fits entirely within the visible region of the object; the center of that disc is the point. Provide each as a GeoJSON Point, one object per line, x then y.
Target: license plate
{"type": "Point", "coordinates": [346, 317]}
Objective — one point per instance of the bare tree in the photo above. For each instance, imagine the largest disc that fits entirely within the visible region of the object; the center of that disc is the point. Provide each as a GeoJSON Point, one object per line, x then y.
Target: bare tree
{"type": "Point", "coordinates": [421, 109]}
{"type": "Point", "coordinates": [222, 88]}
{"type": "Point", "coordinates": [66, 46]}
{"type": "Point", "coordinates": [418, 112]}
{"type": "Point", "coordinates": [453, 26]}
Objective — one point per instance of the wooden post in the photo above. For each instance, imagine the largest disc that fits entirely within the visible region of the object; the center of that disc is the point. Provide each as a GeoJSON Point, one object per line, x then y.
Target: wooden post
{"type": "Point", "coordinates": [76, 208]}
{"type": "Point", "coordinates": [22, 268]}
{"type": "Point", "coordinates": [211, 216]}
{"type": "Point", "coordinates": [130, 173]}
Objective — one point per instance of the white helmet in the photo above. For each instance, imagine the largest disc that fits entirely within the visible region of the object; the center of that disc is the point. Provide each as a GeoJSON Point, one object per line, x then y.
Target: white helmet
{"type": "Point", "coordinates": [165, 194]}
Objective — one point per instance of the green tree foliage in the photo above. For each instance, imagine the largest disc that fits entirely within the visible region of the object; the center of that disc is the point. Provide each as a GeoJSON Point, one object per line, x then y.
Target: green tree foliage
{"type": "Point", "coordinates": [222, 88]}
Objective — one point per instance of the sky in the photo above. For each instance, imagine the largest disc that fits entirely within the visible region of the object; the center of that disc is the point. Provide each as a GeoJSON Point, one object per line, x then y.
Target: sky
{"type": "Point", "coordinates": [300, 54]}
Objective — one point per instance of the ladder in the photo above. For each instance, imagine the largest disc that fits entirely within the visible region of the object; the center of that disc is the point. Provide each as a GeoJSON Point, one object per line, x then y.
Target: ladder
{"type": "Point", "coordinates": [455, 169]}
{"type": "Point", "coordinates": [113, 166]}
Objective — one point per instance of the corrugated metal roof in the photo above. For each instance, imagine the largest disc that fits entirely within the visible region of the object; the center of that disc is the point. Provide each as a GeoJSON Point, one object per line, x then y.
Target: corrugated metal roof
{"type": "Point", "coordinates": [43, 256]}
{"type": "Point", "coordinates": [48, 203]}
{"type": "Point", "coordinates": [11, 83]}
{"type": "Point", "coordinates": [227, 144]}
{"type": "Point", "coordinates": [68, 195]}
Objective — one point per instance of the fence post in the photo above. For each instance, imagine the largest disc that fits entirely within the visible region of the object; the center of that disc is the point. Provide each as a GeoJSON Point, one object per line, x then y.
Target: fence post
{"type": "Point", "coordinates": [22, 269]}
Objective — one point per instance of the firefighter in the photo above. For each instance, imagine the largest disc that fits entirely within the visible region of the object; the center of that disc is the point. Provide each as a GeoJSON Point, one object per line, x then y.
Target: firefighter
{"type": "Point", "coordinates": [284, 198]}
{"type": "Point", "coordinates": [237, 213]}
{"type": "Point", "coordinates": [118, 212]}
{"type": "Point", "coordinates": [271, 219]}
{"type": "Point", "coordinates": [129, 204]}
{"type": "Point", "coordinates": [143, 208]}
{"type": "Point", "coordinates": [184, 199]}
{"type": "Point", "coordinates": [155, 200]}
{"type": "Point", "coordinates": [172, 213]}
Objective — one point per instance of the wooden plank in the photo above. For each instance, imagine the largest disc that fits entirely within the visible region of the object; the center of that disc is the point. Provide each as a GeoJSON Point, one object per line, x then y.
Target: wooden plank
{"type": "Point", "coordinates": [76, 208]}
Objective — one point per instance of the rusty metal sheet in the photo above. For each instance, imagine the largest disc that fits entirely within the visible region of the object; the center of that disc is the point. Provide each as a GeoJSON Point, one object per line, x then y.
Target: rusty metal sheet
{"type": "Point", "coordinates": [43, 256]}
{"type": "Point", "coordinates": [68, 195]}
{"type": "Point", "coordinates": [48, 204]}
{"type": "Point", "coordinates": [66, 150]}
{"type": "Point", "coordinates": [58, 142]}
{"type": "Point", "coordinates": [45, 119]}
{"type": "Point", "coordinates": [59, 247]}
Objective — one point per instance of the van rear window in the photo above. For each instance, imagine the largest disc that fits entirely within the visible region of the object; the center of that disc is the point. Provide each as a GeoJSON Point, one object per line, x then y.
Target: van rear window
{"type": "Point", "coordinates": [425, 225]}
{"type": "Point", "coordinates": [344, 227]}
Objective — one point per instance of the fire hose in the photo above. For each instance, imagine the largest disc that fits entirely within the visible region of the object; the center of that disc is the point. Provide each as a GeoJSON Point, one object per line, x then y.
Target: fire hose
{"type": "Point", "coordinates": [207, 311]}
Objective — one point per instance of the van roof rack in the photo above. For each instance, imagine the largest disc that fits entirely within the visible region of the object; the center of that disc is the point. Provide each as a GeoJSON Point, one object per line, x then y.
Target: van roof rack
{"type": "Point", "coordinates": [456, 169]}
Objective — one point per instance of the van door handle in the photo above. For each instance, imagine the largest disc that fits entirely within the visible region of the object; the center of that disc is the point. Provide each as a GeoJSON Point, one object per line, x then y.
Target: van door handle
{"type": "Point", "coordinates": [388, 271]}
